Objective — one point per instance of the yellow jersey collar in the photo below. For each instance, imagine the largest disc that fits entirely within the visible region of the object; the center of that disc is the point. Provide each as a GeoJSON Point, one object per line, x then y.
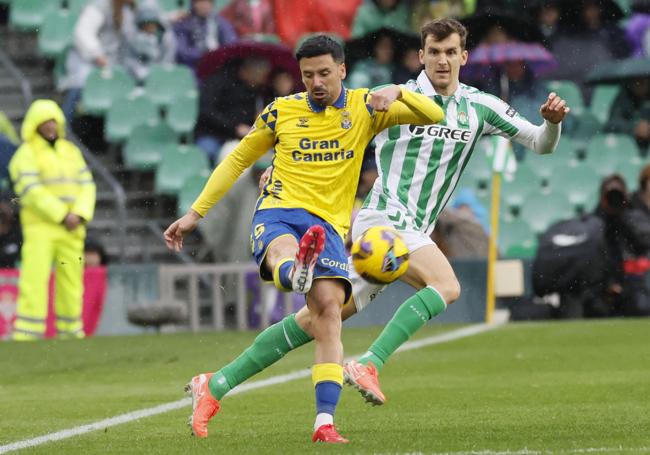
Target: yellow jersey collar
{"type": "Point", "coordinates": [339, 103]}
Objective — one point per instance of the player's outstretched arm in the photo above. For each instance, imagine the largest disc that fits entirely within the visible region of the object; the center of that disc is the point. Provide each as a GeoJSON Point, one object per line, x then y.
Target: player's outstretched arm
{"type": "Point", "coordinates": [395, 105]}
{"type": "Point", "coordinates": [180, 228]}
{"type": "Point", "coordinates": [554, 109]}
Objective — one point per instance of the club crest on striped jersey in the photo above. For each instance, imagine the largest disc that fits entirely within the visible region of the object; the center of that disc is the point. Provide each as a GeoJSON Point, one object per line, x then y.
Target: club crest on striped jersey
{"type": "Point", "coordinates": [463, 119]}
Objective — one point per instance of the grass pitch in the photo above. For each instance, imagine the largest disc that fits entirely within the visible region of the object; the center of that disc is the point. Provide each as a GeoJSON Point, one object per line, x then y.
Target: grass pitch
{"type": "Point", "coordinates": [524, 388]}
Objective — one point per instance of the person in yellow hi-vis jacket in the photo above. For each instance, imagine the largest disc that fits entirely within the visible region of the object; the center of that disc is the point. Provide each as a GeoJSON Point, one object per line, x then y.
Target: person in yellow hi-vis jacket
{"type": "Point", "coordinates": [56, 193]}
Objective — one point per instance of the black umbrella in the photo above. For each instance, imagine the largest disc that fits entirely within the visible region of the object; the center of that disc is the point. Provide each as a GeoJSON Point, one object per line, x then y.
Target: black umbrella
{"type": "Point", "coordinates": [363, 47]}
{"type": "Point", "coordinates": [572, 11]}
{"type": "Point", "coordinates": [641, 6]}
{"type": "Point", "coordinates": [519, 25]}
{"type": "Point", "coordinates": [617, 71]}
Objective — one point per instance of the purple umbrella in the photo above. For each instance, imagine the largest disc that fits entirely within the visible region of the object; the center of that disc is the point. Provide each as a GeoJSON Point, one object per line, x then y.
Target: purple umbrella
{"type": "Point", "coordinates": [535, 56]}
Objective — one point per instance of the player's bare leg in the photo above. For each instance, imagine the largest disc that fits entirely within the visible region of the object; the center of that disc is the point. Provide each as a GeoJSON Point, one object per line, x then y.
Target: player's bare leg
{"type": "Point", "coordinates": [324, 302]}
{"type": "Point", "coordinates": [430, 272]}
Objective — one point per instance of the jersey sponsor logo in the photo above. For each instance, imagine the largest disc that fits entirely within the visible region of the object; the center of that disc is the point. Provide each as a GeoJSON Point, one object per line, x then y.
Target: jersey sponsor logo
{"type": "Point", "coordinates": [258, 229]}
{"type": "Point", "coordinates": [321, 150]}
{"type": "Point", "coordinates": [302, 122]}
{"type": "Point", "coordinates": [327, 262]}
{"type": "Point", "coordinates": [441, 132]}
{"type": "Point", "coordinates": [276, 189]}
{"type": "Point", "coordinates": [511, 111]}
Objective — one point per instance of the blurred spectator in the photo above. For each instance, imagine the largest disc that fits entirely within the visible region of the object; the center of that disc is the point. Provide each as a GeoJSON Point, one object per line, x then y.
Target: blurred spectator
{"type": "Point", "coordinates": [637, 29]}
{"type": "Point", "coordinates": [630, 112]}
{"type": "Point", "coordinates": [152, 43]}
{"type": "Point", "coordinates": [375, 14]}
{"type": "Point", "coordinates": [229, 101]}
{"type": "Point", "coordinates": [427, 10]}
{"type": "Point", "coordinates": [377, 70]}
{"type": "Point", "coordinates": [589, 36]}
{"type": "Point", "coordinates": [7, 150]}
{"type": "Point", "coordinates": [94, 253]}
{"type": "Point", "coordinates": [461, 230]}
{"type": "Point", "coordinates": [296, 18]}
{"type": "Point", "coordinates": [282, 83]}
{"type": "Point", "coordinates": [57, 198]}
{"type": "Point", "coordinates": [10, 237]}
{"type": "Point", "coordinates": [201, 31]}
{"type": "Point", "coordinates": [97, 38]}
{"type": "Point", "coordinates": [409, 67]}
{"type": "Point", "coordinates": [548, 14]}
{"type": "Point", "coordinates": [250, 17]}
{"type": "Point", "coordinates": [7, 129]}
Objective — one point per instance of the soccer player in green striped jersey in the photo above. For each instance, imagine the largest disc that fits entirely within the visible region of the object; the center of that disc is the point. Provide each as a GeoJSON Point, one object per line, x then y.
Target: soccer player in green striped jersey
{"type": "Point", "coordinates": [419, 167]}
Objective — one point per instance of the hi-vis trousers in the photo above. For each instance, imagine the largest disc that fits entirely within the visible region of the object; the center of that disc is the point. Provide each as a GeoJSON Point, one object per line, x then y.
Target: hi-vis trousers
{"type": "Point", "coordinates": [44, 245]}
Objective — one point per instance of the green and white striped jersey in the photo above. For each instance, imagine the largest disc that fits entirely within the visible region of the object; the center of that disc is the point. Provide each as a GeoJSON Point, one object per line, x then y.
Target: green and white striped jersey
{"type": "Point", "coordinates": [419, 166]}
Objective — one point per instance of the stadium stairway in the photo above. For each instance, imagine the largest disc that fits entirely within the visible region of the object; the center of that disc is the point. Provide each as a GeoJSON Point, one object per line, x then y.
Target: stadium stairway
{"type": "Point", "coordinates": [146, 214]}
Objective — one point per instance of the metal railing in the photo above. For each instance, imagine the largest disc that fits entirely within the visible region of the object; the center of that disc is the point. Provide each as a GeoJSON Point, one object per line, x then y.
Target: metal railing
{"type": "Point", "coordinates": [187, 282]}
{"type": "Point", "coordinates": [19, 77]}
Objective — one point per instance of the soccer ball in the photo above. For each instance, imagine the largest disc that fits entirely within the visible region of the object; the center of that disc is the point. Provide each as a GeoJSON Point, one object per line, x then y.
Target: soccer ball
{"type": "Point", "coordinates": [380, 255]}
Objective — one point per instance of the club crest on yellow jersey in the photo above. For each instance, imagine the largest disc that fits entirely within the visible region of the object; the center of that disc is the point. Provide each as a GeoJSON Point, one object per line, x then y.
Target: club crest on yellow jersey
{"type": "Point", "coordinates": [346, 121]}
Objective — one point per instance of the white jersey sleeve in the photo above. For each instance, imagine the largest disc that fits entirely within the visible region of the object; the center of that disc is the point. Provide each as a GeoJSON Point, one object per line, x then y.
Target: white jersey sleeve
{"type": "Point", "coordinates": [502, 119]}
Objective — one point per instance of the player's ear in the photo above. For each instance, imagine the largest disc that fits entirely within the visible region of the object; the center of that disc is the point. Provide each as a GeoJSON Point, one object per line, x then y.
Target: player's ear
{"type": "Point", "coordinates": [421, 56]}
{"type": "Point", "coordinates": [464, 55]}
{"type": "Point", "coordinates": [342, 71]}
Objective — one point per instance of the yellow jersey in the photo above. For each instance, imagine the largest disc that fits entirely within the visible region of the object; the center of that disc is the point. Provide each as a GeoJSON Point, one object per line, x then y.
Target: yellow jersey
{"type": "Point", "coordinates": [318, 151]}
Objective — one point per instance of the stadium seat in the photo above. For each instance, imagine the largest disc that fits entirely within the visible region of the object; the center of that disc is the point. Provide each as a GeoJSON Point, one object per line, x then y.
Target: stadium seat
{"type": "Point", "coordinates": [516, 239]}
{"type": "Point", "coordinates": [56, 33]}
{"type": "Point", "coordinates": [143, 149]}
{"type": "Point", "coordinates": [515, 191]}
{"type": "Point", "coordinates": [630, 171]}
{"type": "Point", "coordinates": [102, 87]}
{"type": "Point", "coordinates": [545, 165]}
{"type": "Point", "coordinates": [586, 126]}
{"type": "Point", "coordinates": [579, 185]}
{"type": "Point", "coordinates": [568, 148]}
{"type": "Point", "coordinates": [171, 5]}
{"type": "Point", "coordinates": [601, 101]}
{"type": "Point", "coordinates": [477, 173]}
{"type": "Point", "coordinates": [179, 162]}
{"type": "Point", "coordinates": [29, 15]}
{"type": "Point", "coordinates": [126, 114]}
{"type": "Point", "coordinates": [166, 82]}
{"type": "Point", "coordinates": [541, 210]}
{"type": "Point", "coordinates": [191, 188]}
{"type": "Point", "coordinates": [605, 151]}
{"type": "Point", "coordinates": [570, 92]}
{"type": "Point", "coordinates": [183, 112]}
{"type": "Point", "coordinates": [75, 6]}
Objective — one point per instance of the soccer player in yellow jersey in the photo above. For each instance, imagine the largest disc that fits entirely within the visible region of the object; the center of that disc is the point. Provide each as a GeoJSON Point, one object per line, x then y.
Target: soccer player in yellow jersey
{"type": "Point", "coordinates": [303, 214]}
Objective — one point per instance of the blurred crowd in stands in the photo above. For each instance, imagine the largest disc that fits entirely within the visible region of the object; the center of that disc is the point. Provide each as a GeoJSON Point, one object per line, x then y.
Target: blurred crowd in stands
{"type": "Point", "coordinates": [596, 53]}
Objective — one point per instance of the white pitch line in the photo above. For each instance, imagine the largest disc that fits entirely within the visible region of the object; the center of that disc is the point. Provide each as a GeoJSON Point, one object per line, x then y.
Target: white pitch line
{"type": "Point", "coordinates": [587, 450]}
{"type": "Point", "coordinates": [280, 379]}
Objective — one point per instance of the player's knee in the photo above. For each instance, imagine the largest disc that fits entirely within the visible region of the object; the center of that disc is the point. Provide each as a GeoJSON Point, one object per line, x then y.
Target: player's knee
{"type": "Point", "coordinates": [450, 291]}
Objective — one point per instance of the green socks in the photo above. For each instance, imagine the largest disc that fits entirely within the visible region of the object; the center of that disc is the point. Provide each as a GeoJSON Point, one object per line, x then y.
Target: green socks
{"type": "Point", "coordinates": [415, 312]}
{"type": "Point", "coordinates": [269, 347]}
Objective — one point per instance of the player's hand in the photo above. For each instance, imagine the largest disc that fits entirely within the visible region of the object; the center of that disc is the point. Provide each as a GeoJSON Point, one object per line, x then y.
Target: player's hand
{"type": "Point", "coordinates": [71, 221]}
{"type": "Point", "coordinates": [264, 178]}
{"type": "Point", "coordinates": [180, 228]}
{"type": "Point", "coordinates": [554, 109]}
{"type": "Point", "coordinates": [383, 98]}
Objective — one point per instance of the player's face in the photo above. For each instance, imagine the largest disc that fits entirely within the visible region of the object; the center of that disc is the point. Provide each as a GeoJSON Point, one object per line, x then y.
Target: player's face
{"type": "Point", "coordinates": [442, 61]}
{"type": "Point", "coordinates": [322, 76]}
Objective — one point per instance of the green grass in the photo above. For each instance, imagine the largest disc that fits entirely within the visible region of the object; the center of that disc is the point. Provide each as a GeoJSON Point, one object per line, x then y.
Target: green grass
{"type": "Point", "coordinates": [552, 388]}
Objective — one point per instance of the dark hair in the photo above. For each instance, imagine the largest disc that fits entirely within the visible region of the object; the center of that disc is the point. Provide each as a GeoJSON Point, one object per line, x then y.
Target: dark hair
{"type": "Point", "coordinates": [442, 28]}
{"type": "Point", "coordinates": [315, 46]}
{"type": "Point", "coordinates": [644, 177]}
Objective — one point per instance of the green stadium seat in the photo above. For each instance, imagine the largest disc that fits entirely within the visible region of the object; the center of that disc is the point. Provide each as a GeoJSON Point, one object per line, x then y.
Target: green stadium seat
{"type": "Point", "coordinates": [568, 148]}
{"type": "Point", "coordinates": [190, 190]}
{"type": "Point", "coordinates": [586, 127]}
{"type": "Point", "coordinates": [477, 173]}
{"type": "Point", "coordinates": [606, 151]}
{"type": "Point", "coordinates": [102, 87]}
{"type": "Point", "coordinates": [630, 171]}
{"type": "Point", "coordinates": [56, 34]}
{"type": "Point", "coordinates": [602, 99]}
{"type": "Point", "coordinates": [179, 162]}
{"type": "Point", "coordinates": [75, 6]}
{"type": "Point", "coordinates": [171, 5]}
{"type": "Point", "coordinates": [29, 15]}
{"type": "Point", "coordinates": [514, 192]}
{"type": "Point", "coordinates": [545, 165]}
{"type": "Point", "coordinates": [517, 239]}
{"type": "Point", "coordinates": [126, 114]}
{"type": "Point", "coordinates": [166, 82]}
{"type": "Point", "coordinates": [570, 92]}
{"type": "Point", "coordinates": [541, 210]}
{"type": "Point", "coordinates": [579, 185]}
{"type": "Point", "coordinates": [143, 149]}
{"type": "Point", "coordinates": [183, 112]}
